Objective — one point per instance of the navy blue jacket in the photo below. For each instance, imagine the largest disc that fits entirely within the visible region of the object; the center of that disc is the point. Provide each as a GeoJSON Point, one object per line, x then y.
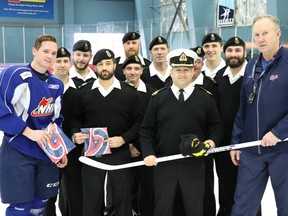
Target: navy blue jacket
{"type": "Point", "coordinates": [269, 109]}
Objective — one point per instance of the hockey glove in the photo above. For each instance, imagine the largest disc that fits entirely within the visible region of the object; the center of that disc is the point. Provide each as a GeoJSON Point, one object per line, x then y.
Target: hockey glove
{"type": "Point", "coordinates": [191, 145]}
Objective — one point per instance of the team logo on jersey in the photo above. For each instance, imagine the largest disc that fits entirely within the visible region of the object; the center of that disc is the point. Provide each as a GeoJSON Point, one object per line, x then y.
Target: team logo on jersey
{"type": "Point", "coordinates": [44, 108]}
{"type": "Point", "coordinates": [273, 77]}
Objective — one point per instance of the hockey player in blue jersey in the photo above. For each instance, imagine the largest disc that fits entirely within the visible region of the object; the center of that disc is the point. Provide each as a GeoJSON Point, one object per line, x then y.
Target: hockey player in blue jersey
{"type": "Point", "coordinates": [30, 98]}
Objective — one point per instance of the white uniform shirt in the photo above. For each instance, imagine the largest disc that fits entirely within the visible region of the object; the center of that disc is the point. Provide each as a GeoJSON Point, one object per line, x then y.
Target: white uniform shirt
{"type": "Point", "coordinates": [74, 73]}
{"type": "Point", "coordinates": [232, 79]}
{"type": "Point", "coordinates": [155, 72]}
{"type": "Point", "coordinates": [210, 73]}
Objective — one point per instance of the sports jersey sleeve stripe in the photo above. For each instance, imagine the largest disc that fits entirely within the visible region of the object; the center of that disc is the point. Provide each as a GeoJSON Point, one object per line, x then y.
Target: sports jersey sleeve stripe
{"type": "Point", "coordinates": [57, 108]}
{"type": "Point", "coordinates": [10, 121]}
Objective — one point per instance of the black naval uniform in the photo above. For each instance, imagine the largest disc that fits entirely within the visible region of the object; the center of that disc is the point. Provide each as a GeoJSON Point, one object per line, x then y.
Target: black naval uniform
{"type": "Point", "coordinates": [121, 111]}
{"type": "Point", "coordinates": [71, 185]}
{"type": "Point", "coordinates": [209, 198]}
{"type": "Point", "coordinates": [228, 104]}
{"type": "Point", "coordinates": [165, 120]}
{"type": "Point", "coordinates": [210, 84]}
{"type": "Point", "coordinates": [118, 73]}
{"type": "Point", "coordinates": [70, 193]}
{"type": "Point", "coordinates": [143, 201]}
{"type": "Point", "coordinates": [154, 80]}
{"type": "Point", "coordinates": [78, 81]}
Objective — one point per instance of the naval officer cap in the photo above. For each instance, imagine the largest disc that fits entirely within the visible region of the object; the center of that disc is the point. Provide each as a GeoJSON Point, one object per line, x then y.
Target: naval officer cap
{"type": "Point", "coordinates": [182, 58]}
{"type": "Point", "coordinates": [82, 45]}
{"type": "Point", "coordinates": [132, 60]}
{"type": "Point", "coordinates": [102, 54]}
{"type": "Point", "coordinates": [159, 40]}
{"type": "Point", "coordinates": [212, 37]}
{"type": "Point", "coordinates": [199, 51]}
{"type": "Point", "coordinates": [233, 41]}
{"type": "Point", "coordinates": [130, 36]}
{"type": "Point", "coordinates": [63, 52]}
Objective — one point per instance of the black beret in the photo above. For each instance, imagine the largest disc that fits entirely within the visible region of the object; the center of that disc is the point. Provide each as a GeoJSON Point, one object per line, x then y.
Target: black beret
{"type": "Point", "coordinates": [101, 55]}
{"type": "Point", "coordinates": [212, 37]}
{"type": "Point", "coordinates": [199, 51]}
{"type": "Point", "coordinates": [192, 146]}
{"type": "Point", "coordinates": [132, 60]}
{"type": "Point", "coordinates": [157, 41]}
{"type": "Point", "coordinates": [63, 52]}
{"type": "Point", "coordinates": [130, 36]}
{"type": "Point", "coordinates": [234, 41]}
{"type": "Point", "coordinates": [82, 45]}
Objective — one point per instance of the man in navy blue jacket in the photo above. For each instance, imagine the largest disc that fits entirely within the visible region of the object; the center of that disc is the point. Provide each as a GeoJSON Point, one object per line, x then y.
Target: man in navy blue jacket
{"type": "Point", "coordinates": [263, 115]}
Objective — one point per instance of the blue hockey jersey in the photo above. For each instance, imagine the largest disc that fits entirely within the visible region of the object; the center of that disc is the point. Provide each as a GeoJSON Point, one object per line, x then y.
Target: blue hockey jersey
{"type": "Point", "coordinates": [26, 100]}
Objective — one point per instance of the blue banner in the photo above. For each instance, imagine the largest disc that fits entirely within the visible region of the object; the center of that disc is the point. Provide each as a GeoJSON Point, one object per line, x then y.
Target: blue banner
{"type": "Point", "coordinates": [36, 9]}
{"type": "Point", "coordinates": [225, 13]}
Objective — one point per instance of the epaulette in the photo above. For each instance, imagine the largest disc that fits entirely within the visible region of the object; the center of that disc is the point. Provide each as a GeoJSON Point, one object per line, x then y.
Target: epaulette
{"type": "Point", "coordinates": [157, 91]}
{"type": "Point", "coordinates": [150, 87]}
{"type": "Point", "coordinates": [129, 84]}
{"type": "Point", "coordinates": [212, 80]}
{"type": "Point", "coordinates": [208, 92]}
{"type": "Point", "coordinates": [85, 84]}
{"type": "Point", "coordinates": [209, 78]}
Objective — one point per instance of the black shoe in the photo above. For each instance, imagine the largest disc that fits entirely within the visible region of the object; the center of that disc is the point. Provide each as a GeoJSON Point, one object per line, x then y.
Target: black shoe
{"type": "Point", "coordinates": [109, 212]}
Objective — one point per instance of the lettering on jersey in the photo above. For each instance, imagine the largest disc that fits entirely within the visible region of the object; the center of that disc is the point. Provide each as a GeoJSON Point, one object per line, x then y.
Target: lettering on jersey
{"type": "Point", "coordinates": [44, 108]}
{"type": "Point", "coordinates": [95, 145]}
{"type": "Point", "coordinates": [53, 86]}
{"type": "Point", "coordinates": [26, 75]}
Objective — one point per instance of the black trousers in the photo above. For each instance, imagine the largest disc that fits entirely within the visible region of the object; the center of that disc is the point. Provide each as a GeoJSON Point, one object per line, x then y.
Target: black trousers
{"type": "Point", "coordinates": [70, 198]}
{"type": "Point", "coordinates": [93, 191]}
{"type": "Point", "coordinates": [142, 190]}
{"type": "Point", "coordinates": [227, 179]}
{"type": "Point", "coordinates": [50, 208]}
{"type": "Point", "coordinates": [189, 176]}
{"type": "Point", "coordinates": [209, 203]}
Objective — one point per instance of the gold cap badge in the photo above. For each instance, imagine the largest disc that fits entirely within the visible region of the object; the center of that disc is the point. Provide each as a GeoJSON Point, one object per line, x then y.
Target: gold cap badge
{"type": "Point", "coordinates": [183, 57]}
{"type": "Point", "coordinates": [108, 53]}
{"type": "Point", "coordinates": [212, 37]}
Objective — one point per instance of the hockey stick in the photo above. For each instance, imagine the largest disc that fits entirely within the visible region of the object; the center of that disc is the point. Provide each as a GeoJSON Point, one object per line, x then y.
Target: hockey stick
{"type": "Point", "coordinates": [99, 165]}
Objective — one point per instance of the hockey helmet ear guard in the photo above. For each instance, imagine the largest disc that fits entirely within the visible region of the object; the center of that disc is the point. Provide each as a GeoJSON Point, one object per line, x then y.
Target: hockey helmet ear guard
{"type": "Point", "coordinates": [192, 146]}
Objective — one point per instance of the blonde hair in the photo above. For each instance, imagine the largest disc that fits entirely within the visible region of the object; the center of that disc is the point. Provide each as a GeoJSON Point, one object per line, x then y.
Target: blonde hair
{"type": "Point", "coordinates": [273, 19]}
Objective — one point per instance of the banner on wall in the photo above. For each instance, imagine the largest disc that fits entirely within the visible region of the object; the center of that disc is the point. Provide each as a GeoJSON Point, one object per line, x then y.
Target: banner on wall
{"type": "Point", "coordinates": [225, 13]}
{"type": "Point", "coordinates": [40, 9]}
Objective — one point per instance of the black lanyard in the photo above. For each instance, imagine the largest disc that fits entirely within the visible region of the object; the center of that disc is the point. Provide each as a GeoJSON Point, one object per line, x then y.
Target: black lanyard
{"type": "Point", "coordinates": [256, 77]}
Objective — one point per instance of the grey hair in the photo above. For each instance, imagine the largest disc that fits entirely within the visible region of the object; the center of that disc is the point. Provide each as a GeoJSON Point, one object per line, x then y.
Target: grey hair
{"type": "Point", "coordinates": [273, 19]}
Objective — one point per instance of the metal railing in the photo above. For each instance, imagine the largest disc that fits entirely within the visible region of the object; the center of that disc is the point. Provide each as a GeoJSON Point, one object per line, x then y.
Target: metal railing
{"type": "Point", "coordinates": [16, 42]}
